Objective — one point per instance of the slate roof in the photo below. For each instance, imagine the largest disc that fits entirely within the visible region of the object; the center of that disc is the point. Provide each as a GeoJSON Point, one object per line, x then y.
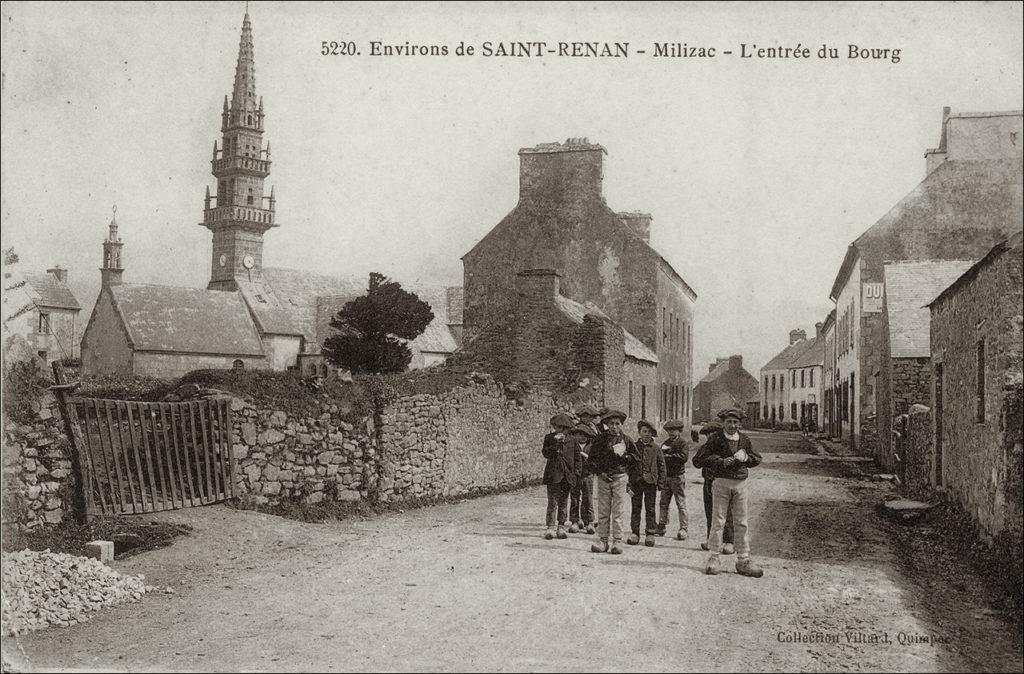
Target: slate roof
{"type": "Point", "coordinates": [1014, 243]}
{"type": "Point", "coordinates": [721, 367]}
{"type": "Point", "coordinates": [575, 311]}
{"type": "Point", "coordinates": [789, 355]}
{"type": "Point", "coordinates": [909, 288]}
{"type": "Point", "coordinates": [811, 355]}
{"type": "Point", "coordinates": [189, 320]}
{"type": "Point", "coordinates": [961, 209]}
{"type": "Point", "coordinates": [49, 291]}
{"type": "Point", "coordinates": [296, 302]}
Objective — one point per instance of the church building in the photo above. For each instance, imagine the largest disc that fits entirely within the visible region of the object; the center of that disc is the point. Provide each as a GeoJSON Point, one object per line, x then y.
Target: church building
{"type": "Point", "coordinates": [248, 316]}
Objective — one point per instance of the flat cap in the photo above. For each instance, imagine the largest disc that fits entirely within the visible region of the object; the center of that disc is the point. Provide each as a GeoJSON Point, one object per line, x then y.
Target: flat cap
{"type": "Point", "coordinates": [586, 411]}
{"type": "Point", "coordinates": [562, 421]}
{"type": "Point", "coordinates": [584, 429]}
{"type": "Point", "coordinates": [643, 423]}
{"type": "Point", "coordinates": [675, 424]}
{"type": "Point", "coordinates": [731, 412]}
{"type": "Point", "coordinates": [710, 427]}
{"type": "Point", "coordinates": [613, 414]}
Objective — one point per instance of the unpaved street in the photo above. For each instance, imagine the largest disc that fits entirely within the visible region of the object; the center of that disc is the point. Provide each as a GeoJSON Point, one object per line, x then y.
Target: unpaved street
{"type": "Point", "coordinates": [474, 586]}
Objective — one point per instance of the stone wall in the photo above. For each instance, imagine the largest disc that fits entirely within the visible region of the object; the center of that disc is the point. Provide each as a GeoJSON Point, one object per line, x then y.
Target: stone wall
{"type": "Point", "coordinates": [38, 483]}
{"type": "Point", "coordinates": [918, 449]}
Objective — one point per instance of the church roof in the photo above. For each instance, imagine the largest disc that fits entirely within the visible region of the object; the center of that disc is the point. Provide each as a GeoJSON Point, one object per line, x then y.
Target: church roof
{"type": "Point", "coordinates": [50, 291]}
{"type": "Point", "coordinates": [909, 287]}
{"type": "Point", "coordinates": [296, 302]}
{"type": "Point", "coordinates": [575, 311]}
{"type": "Point", "coordinates": [186, 320]}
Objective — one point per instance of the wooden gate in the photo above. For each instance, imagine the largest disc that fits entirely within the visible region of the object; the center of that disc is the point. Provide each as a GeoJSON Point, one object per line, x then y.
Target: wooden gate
{"type": "Point", "coordinates": [143, 457]}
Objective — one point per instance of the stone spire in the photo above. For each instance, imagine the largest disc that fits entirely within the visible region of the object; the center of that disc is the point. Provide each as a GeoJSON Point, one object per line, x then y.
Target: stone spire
{"type": "Point", "coordinates": [111, 271]}
{"type": "Point", "coordinates": [243, 95]}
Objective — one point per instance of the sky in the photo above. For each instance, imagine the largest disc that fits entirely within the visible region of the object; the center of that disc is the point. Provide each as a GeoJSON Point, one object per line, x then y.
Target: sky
{"type": "Point", "coordinates": [759, 172]}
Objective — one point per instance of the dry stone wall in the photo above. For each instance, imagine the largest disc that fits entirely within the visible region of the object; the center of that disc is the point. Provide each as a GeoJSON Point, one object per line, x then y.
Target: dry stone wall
{"type": "Point", "coordinates": [37, 476]}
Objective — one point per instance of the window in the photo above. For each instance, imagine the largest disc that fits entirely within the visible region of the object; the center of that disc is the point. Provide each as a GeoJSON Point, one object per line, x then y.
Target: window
{"type": "Point", "coordinates": [643, 401]}
{"type": "Point", "coordinates": [664, 400]}
{"type": "Point", "coordinates": [812, 378]}
{"type": "Point", "coordinates": [765, 411]}
{"type": "Point", "coordinates": [41, 354]}
{"type": "Point", "coordinates": [671, 332]}
{"type": "Point", "coordinates": [766, 391]}
{"type": "Point", "coordinates": [773, 382]}
{"type": "Point", "coordinates": [782, 412]}
{"type": "Point", "coordinates": [630, 403]}
{"type": "Point", "coordinates": [794, 379]}
{"type": "Point", "coordinates": [981, 382]}
{"type": "Point", "coordinates": [248, 199]}
{"type": "Point", "coordinates": [802, 382]}
{"type": "Point", "coordinates": [44, 323]}
{"type": "Point", "coordinates": [238, 364]}
{"type": "Point", "coordinates": [664, 325]}
{"type": "Point", "coordinates": [782, 381]}
{"type": "Point", "coordinates": [792, 411]}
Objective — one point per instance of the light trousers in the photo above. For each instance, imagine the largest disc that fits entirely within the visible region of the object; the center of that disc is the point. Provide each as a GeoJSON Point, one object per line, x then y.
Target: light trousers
{"type": "Point", "coordinates": [611, 498]}
{"type": "Point", "coordinates": [729, 493]}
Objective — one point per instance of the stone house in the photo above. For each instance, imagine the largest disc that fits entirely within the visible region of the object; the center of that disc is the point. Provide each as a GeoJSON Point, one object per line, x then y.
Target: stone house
{"type": "Point", "coordinates": [806, 381]}
{"type": "Point", "coordinates": [905, 364]}
{"type": "Point", "coordinates": [776, 380]}
{"type": "Point", "coordinates": [288, 310]}
{"type": "Point", "coordinates": [829, 415]}
{"type": "Point", "coordinates": [42, 315]}
{"type": "Point", "coordinates": [727, 384]}
{"type": "Point", "coordinates": [976, 346]}
{"type": "Point", "coordinates": [603, 259]}
{"type": "Point", "coordinates": [969, 200]}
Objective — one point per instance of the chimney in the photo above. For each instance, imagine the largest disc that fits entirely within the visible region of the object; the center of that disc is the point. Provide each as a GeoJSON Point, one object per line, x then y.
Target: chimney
{"type": "Point", "coordinates": [817, 329]}
{"type": "Point", "coordinates": [735, 363]}
{"type": "Point", "coordinates": [638, 222]}
{"type": "Point", "coordinates": [796, 335]}
{"type": "Point", "coordinates": [934, 157]}
{"type": "Point", "coordinates": [58, 273]}
{"type": "Point", "coordinates": [538, 285]}
{"type": "Point", "coordinates": [569, 171]}
{"type": "Point", "coordinates": [711, 367]}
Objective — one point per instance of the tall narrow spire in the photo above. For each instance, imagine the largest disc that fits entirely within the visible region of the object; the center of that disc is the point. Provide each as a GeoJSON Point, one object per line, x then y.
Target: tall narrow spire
{"type": "Point", "coordinates": [243, 95]}
{"type": "Point", "coordinates": [111, 271]}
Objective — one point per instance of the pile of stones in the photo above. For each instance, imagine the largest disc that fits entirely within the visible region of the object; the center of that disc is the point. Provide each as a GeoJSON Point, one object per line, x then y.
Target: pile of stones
{"type": "Point", "coordinates": [45, 588]}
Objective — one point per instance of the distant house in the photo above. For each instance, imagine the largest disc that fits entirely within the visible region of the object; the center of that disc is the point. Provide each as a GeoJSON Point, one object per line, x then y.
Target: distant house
{"type": "Point", "coordinates": [775, 376]}
{"type": "Point", "coordinates": [725, 385]}
{"type": "Point", "coordinates": [43, 314]}
{"type": "Point", "coordinates": [977, 351]}
{"type": "Point", "coordinates": [904, 372]}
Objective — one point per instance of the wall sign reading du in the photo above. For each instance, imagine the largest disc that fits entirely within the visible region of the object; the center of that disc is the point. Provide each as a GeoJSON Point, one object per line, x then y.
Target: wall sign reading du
{"type": "Point", "coordinates": [871, 301]}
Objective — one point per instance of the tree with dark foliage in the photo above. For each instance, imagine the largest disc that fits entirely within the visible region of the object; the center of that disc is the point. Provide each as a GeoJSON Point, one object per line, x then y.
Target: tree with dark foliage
{"type": "Point", "coordinates": [370, 329]}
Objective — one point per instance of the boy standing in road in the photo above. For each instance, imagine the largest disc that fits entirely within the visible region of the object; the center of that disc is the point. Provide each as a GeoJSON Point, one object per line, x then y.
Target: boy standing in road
{"type": "Point", "coordinates": [647, 475]}
{"type": "Point", "coordinates": [581, 510]}
{"type": "Point", "coordinates": [560, 473]}
{"type": "Point", "coordinates": [729, 455]}
{"type": "Point", "coordinates": [676, 451]}
{"type": "Point", "coordinates": [707, 431]}
{"type": "Point", "coordinates": [609, 456]}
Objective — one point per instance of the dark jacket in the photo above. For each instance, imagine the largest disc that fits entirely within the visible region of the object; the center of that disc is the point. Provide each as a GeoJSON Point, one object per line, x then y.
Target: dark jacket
{"type": "Point", "coordinates": [564, 461]}
{"type": "Point", "coordinates": [604, 460]}
{"type": "Point", "coordinates": [649, 465]}
{"type": "Point", "coordinates": [711, 455]}
{"type": "Point", "coordinates": [676, 452]}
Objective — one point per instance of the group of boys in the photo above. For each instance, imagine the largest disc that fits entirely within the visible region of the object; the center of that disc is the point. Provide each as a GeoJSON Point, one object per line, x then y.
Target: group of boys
{"type": "Point", "coordinates": [593, 448]}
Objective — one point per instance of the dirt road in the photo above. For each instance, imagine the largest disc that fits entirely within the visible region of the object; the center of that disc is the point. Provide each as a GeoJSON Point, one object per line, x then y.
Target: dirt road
{"type": "Point", "coordinates": [474, 586]}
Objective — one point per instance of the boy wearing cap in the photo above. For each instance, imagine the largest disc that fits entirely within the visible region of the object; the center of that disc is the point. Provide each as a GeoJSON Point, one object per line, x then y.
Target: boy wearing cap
{"type": "Point", "coordinates": [560, 473]}
{"type": "Point", "coordinates": [581, 510]}
{"type": "Point", "coordinates": [609, 456]}
{"type": "Point", "coordinates": [676, 451]}
{"type": "Point", "coordinates": [729, 455]}
{"type": "Point", "coordinates": [647, 475]}
{"type": "Point", "coordinates": [707, 431]}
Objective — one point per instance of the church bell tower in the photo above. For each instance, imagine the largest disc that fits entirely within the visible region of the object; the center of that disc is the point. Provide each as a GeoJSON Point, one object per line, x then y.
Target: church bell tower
{"type": "Point", "coordinates": [239, 213]}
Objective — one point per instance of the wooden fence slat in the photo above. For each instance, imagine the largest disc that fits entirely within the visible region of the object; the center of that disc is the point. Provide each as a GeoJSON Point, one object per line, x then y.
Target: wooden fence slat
{"type": "Point", "coordinates": [173, 467]}
{"type": "Point", "coordinates": [113, 490]}
{"type": "Point", "coordinates": [211, 491]}
{"type": "Point", "coordinates": [124, 455]}
{"type": "Point", "coordinates": [154, 486]}
{"type": "Point", "coordinates": [93, 463]}
{"type": "Point", "coordinates": [138, 460]}
{"type": "Point", "coordinates": [85, 461]}
{"type": "Point", "coordinates": [158, 456]}
{"type": "Point", "coordinates": [114, 447]}
{"type": "Point", "coordinates": [163, 462]}
{"type": "Point", "coordinates": [216, 448]}
{"type": "Point", "coordinates": [196, 459]}
{"type": "Point", "coordinates": [142, 445]}
{"type": "Point", "coordinates": [186, 464]}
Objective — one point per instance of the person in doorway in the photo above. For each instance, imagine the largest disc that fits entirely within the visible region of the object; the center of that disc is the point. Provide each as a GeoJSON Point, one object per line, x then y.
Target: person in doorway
{"type": "Point", "coordinates": [676, 451]}
{"type": "Point", "coordinates": [560, 473]}
{"type": "Point", "coordinates": [609, 456]}
{"type": "Point", "coordinates": [707, 430]}
{"type": "Point", "coordinates": [646, 476]}
{"type": "Point", "coordinates": [729, 455]}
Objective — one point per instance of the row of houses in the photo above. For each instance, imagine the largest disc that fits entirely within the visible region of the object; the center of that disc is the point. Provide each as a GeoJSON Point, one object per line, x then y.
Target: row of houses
{"type": "Point", "coordinates": [927, 321]}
